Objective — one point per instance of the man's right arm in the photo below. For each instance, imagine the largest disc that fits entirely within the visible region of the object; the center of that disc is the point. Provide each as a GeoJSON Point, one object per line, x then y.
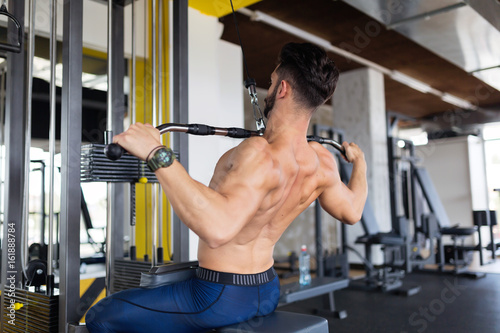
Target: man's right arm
{"type": "Point", "coordinates": [345, 202]}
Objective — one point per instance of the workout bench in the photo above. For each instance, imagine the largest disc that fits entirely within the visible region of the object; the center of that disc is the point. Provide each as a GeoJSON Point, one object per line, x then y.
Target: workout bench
{"type": "Point", "coordinates": [279, 321]}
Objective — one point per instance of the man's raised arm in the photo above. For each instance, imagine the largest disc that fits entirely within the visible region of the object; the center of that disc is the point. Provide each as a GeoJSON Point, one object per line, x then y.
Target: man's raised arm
{"type": "Point", "coordinates": [346, 202]}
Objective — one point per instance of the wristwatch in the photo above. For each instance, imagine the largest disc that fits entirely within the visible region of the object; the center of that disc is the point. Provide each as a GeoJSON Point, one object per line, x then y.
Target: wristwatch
{"type": "Point", "coordinates": [162, 158]}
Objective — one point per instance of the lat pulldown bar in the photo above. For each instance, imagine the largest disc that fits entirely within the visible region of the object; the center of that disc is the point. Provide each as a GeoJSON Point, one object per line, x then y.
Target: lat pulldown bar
{"type": "Point", "coordinates": [113, 151]}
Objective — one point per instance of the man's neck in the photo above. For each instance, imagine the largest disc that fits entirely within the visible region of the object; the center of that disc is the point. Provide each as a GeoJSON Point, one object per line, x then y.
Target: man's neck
{"type": "Point", "coordinates": [284, 124]}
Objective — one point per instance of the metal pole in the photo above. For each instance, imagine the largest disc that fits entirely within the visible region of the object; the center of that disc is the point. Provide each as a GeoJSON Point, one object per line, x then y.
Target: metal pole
{"type": "Point", "coordinates": [160, 120]}
{"type": "Point", "coordinates": [27, 155]}
{"type": "Point", "coordinates": [487, 207]}
{"type": "Point", "coordinates": [2, 127]}
{"type": "Point", "coordinates": [133, 119]}
{"type": "Point", "coordinates": [319, 244]}
{"type": "Point", "coordinates": [52, 143]}
{"type": "Point", "coordinates": [154, 197]}
{"type": "Point", "coordinates": [109, 114]}
{"type": "Point", "coordinates": [133, 79]}
{"type": "Point", "coordinates": [108, 139]}
{"type": "Point", "coordinates": [119, 110]}
{"type": "Point", "coordinates": [14, 165]}
{"type": "Point", "coordinates": [42, 219]}
{"type": "Point", "coordinates": [180, 112]}
{"type": "Point", "coordinates": [71, 136]}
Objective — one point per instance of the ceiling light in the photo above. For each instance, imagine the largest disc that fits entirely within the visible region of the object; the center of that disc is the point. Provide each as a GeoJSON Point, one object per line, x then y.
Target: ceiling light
{"type": "Point", "coordinates": [459, 102]}
{"type": "Point", "coordinates": [259, 16]}
{"type": "Point", "coordinates": [410, 82]}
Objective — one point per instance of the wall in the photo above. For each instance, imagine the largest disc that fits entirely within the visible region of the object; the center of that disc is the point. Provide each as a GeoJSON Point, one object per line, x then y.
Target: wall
{"type": "Point", "coordinates": [456, 167]}
{"type": "Point", "coordinates": [215, 96]}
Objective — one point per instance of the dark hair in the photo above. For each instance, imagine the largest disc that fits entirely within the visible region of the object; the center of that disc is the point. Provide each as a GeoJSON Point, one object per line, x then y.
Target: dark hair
{"type": "Point", "coordinates": [312, 75]}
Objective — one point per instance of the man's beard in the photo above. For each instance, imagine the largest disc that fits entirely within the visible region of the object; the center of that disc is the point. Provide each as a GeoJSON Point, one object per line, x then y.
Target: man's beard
{"type": "Point", "coordinates": [269, 102]}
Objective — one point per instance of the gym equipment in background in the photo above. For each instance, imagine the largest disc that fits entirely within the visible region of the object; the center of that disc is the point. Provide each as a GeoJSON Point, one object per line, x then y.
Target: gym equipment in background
{"type": "Point", "coordinates": [17, 45]}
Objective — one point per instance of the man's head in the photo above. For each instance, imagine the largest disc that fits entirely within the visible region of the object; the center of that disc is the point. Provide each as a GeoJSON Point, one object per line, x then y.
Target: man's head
{"type": "Point", "coordinates": [309, 72]}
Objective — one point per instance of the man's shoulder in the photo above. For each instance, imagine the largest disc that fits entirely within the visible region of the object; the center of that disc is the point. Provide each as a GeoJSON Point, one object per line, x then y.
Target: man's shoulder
{"type": "Point", "coordinates": [255, 142]}
{"type": "Point", "coordinates": [254, 146]}
{"type": "Point", "coordinates": [326, 158]}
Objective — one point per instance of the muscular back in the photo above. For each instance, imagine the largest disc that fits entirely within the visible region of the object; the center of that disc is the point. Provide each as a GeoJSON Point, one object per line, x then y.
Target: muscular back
{"type": "Point", "coordinates": [280, 179]}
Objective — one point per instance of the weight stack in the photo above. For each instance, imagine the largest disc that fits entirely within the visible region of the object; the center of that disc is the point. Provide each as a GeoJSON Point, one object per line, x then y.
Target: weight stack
{"type": "Point", "coordinates": [39, 312]}
{"type": "Point", "coordinates": [96, 167]}
{"type": "Point", "coordinates": [127, 273]}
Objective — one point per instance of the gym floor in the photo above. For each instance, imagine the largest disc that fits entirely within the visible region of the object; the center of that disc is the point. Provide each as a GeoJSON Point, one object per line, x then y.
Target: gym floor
{"type": "Point", "coordinates": [446, 303]}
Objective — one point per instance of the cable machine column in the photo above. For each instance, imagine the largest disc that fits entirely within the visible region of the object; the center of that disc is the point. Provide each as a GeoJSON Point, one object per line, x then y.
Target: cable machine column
{"type": "Point", "coordinates": [15, 164]}
{"type": "Point", "coordinates": [180, 112]}
{"type": "Point", "coordinates": [71, 131]}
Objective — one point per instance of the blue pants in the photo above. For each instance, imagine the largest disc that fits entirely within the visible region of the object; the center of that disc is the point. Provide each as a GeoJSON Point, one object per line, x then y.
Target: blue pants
{"type": "Point", "coordinates": [210, 300]}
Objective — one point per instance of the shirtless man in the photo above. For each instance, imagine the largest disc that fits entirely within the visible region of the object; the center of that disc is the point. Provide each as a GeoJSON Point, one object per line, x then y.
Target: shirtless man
{"type": "Point", "coordinates": [257, 190]}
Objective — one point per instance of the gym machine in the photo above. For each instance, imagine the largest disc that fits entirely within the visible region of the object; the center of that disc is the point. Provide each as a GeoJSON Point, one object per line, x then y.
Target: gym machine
{"type": "Point", "coordinates": [15, 46]}
{"type": "Point", "coordinates": [387, 278]}
{"type": "Point", "coordinates": [25, 304]}
{"type": "Point", "coordinates": [415, 201]}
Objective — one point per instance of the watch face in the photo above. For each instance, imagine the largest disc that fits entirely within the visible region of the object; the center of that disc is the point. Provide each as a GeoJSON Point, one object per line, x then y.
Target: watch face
{"type": "Point", "coordinates": [164, 157]}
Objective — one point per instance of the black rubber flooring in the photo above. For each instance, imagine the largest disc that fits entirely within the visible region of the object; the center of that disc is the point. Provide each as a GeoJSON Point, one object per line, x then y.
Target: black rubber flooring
{"type": "Point", "coordinates": [446, 303]}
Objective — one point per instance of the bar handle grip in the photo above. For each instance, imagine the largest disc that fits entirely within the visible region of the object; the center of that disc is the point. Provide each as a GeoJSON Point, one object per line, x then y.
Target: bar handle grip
{"type": "Point", "coordinates": [113, 151]}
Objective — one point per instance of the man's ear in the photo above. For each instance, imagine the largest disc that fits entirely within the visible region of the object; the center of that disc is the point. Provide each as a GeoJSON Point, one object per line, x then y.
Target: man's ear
{"type": "Point", "coordinates": [283, 89]}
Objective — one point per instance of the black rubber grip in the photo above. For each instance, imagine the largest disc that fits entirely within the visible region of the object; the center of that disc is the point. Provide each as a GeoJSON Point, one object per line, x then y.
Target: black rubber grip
{"type": "Point", "coordinates": [240, 133]}
{"type": "Point", "coordinates": [199, 129]}
{"type": "Point", "coordinates": [113, 151]}
{"type": "Point", "coordinates": [315, 138]}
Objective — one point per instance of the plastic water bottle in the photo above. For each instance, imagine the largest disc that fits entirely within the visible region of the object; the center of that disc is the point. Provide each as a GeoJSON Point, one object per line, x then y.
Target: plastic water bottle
{"type": "Point", "coordinates": [304, 267]}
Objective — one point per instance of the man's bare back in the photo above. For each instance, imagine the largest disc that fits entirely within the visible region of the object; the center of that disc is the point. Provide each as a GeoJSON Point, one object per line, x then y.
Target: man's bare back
{"type": "Point", "coordinates": [262, 185]}
{"type": "Point", "coordinates": [291, 172]}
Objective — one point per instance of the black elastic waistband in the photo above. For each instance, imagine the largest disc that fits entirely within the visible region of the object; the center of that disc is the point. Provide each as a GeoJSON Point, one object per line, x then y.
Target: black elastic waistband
{"type": "Point", "coordinates": [236, 279]}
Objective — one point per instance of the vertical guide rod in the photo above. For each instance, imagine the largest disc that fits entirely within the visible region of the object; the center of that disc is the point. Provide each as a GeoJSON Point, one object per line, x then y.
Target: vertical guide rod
{"type": "Point", "coordinates": [27, 155]}
{"type": "Point", "coordinates": [2, 126]}
{"type": "Point", "coordinates": [108, 139]}
{"type": "Point", "coordinates": [180, 112]}
{"type": "Point", "coordinates": [154, 197]}
{"type": "Point", "coordinates": [71, 139]}
{"type": "Point", "coordinates": [133, 119]}
{"type": "Point", "coordinates": [160, 121]}
{"type": "Point", "coordinates": [52, 143]}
